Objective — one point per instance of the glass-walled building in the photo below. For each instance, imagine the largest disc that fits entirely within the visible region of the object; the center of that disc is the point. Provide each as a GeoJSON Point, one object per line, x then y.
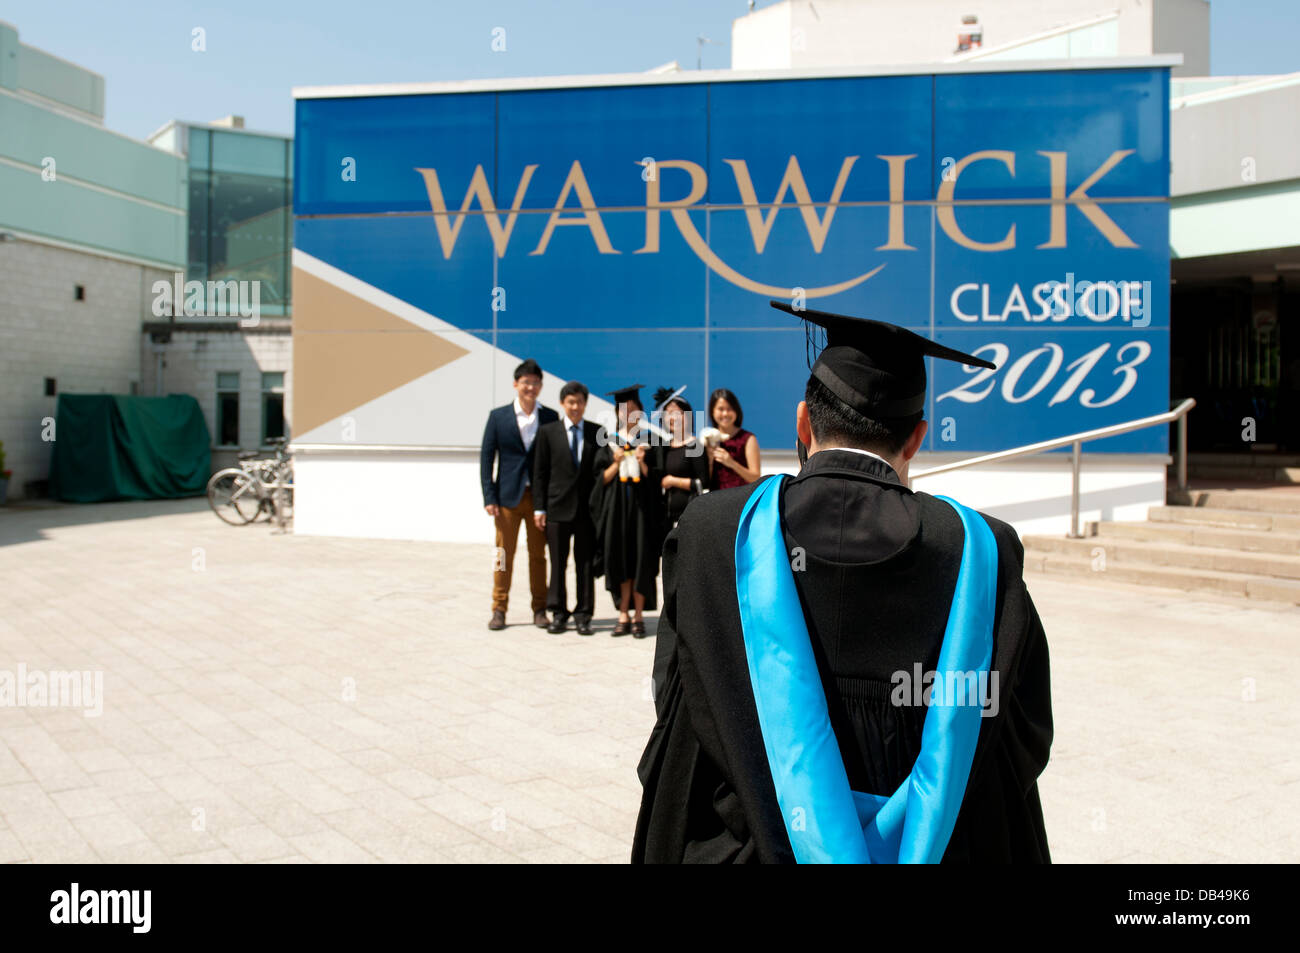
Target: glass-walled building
{"type": "Point", "coordinates": [239, 239]}
{"type": "Point", "coordinates": [240, 191]}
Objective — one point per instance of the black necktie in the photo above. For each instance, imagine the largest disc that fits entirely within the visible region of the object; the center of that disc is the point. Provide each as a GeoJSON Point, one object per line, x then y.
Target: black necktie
{"type": "Point", "coordinates": [573, 443]}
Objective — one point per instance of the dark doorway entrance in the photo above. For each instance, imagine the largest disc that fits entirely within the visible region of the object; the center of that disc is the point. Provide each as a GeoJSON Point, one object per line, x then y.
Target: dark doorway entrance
{"type": "Point", "coordinates": [1235, 347]}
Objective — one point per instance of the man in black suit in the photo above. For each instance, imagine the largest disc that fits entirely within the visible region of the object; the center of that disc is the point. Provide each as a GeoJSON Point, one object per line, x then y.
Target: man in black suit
{"type": "Point", "coordinates": [508, 441]}
{"type": "Point", "coordinates": [562, 482]}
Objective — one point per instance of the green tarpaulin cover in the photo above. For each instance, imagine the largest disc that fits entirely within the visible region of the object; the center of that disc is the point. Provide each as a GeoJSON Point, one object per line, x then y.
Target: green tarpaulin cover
{"type": "Point", "coordinates": [112, 447]}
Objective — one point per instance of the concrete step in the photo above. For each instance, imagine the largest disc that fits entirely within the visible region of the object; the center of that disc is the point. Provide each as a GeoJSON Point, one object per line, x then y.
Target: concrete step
{"type": "Point", "coordinates": [1248, 540]}
{"type": "Point", "coordinates": [1282, 500]}
{"type": "Point", "coordinates": [1236, 519]}
{"type": "Point", "coordinates": [1108, 552]}
{"type": "Point", "coordinates": [1168, 577]}
{"type": "Point", "coordinates": [1245, 459]}
{"type": "Point", "coordinates": [1228, 472]}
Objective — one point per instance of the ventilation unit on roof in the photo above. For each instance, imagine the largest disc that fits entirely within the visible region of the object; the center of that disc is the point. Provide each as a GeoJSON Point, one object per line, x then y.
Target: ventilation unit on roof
{"type": "Point", "coordinates": [970, 35]}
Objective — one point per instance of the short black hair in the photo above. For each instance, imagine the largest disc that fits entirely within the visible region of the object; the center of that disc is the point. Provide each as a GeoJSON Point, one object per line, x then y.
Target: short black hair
{"type": "Point", "coordinates": [684, 406]}
{"type": "Point", "coordinates": [723, 394]}
{"type": "Point", "coordinates": [834, 421]}
{"type": "Point", "coordinates": [574, 387]}
{"type": "Point", "coordinates": [528, 367]}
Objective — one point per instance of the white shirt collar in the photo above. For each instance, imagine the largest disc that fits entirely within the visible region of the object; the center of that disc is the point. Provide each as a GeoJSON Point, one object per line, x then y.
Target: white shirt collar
{"type": "Point", "coordinates": [865, 453]}
{"type": "Point", "coordinates": [519, 410]}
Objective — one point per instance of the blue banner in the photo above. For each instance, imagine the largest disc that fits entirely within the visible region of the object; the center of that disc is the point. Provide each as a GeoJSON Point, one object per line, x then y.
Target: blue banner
{"type": "Point", "coordinates": [618, 233]}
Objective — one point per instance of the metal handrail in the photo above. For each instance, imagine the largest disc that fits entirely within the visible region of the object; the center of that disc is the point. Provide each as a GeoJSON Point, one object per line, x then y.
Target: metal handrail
{"type": "Point", "coordinates": [380, 448]}
{"type": "Point", "coordinates": [1077, 440]}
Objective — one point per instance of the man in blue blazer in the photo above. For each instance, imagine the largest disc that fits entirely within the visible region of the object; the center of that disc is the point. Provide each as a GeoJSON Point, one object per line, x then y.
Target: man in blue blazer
{"type": "Point", "coordinates": [508, 441]}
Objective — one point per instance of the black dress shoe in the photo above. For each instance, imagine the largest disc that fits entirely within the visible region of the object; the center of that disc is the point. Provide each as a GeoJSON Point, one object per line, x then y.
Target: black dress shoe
{"type": "Point", "coordinates": [498, 620]}
{"type": "Point", "coordinates": [558, 625]}
{"type": "Point", "coordinates": [622, 628]}
{"type": "Point", "coordinates": [638, 630]}
{"type": "Point", "coordinates": [584, 627]}
{"type": "Point", "coordinates": [540, 620]}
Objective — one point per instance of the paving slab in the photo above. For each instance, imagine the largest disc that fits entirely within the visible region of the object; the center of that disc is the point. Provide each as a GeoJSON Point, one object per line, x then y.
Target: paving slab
{"type": "Point", "coordinates": [274, 698]}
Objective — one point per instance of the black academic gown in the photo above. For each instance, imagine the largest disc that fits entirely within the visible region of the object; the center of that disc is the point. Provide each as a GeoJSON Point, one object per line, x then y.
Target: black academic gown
{"type": "Point", "coordinates": [881, 564]}
{"type": "Point", "coordinates": [691, 462]}
{"type": "Point", "coordinates": [629, 530]}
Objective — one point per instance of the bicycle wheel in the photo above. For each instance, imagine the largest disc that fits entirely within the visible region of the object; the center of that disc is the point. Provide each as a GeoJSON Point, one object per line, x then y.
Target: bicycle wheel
{"type": "Point", "coordinates": [279, 495]}
{"type": "Point", "coordinates": [262, 474]}
{"type": "Point", "coordinates": [233, 496]}
{"type": "Point", "coordinates": [266, 506]}
{"type": "Point", "coordinates": [286, 500]}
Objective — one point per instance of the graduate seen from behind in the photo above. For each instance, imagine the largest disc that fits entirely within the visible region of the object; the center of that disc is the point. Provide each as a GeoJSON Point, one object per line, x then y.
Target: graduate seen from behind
{"type": "Point", "coordinates": [626, 507]}
{"type": "Point", "coordinates": [847, 670]}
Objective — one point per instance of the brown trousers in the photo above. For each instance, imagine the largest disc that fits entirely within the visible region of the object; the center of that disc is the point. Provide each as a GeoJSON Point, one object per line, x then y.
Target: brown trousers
{"type": "Point", "coordinates": [508, 521]}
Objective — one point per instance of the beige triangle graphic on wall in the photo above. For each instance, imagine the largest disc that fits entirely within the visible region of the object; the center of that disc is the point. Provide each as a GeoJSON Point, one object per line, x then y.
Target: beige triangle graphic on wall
{"type": "Point", "coordinates": [347, 351]}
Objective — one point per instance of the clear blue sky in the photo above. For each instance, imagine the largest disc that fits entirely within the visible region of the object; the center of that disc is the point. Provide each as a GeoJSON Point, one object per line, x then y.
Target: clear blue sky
{"type": "Point", "coordinates": [257, 51]}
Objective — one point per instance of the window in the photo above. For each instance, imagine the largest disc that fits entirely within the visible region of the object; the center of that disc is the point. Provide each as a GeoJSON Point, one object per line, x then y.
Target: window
{"type": "Point", "coordinates": [272, 405]}
{"type": "Point", "coordinates": [240, 212]}
{"type": "Point", "coordinates": [228, 408]}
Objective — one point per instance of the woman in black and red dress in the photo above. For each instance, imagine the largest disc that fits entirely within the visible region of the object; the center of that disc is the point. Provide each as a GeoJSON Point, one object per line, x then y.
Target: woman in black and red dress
{"type": "Point", "coordinates": [736, 461]}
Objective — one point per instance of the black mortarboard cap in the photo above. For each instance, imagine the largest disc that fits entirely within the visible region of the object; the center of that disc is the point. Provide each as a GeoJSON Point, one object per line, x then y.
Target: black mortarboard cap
{"type": "Point", "coordinates": [632, 391]}
{"type": "Point", "coordinates": [878, 369]}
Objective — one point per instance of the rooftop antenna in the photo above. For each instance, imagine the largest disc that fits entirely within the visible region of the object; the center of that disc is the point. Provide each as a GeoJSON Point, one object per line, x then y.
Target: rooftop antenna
{"type": "Point", "coordinates": [700, 41]}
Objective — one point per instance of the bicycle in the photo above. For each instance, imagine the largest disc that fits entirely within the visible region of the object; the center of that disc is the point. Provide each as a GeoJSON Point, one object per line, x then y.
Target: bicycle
{"type": "Point", "coordinates": [258, 486]}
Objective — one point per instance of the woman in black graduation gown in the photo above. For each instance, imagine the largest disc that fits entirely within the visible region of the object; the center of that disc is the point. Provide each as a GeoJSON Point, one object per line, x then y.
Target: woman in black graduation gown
{"type": "Point", "coordinates": [627, 513]}
{"type": "Point", "coordinates": [683, 464]}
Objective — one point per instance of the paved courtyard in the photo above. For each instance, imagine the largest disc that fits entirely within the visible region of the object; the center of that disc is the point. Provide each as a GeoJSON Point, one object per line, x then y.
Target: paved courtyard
{"type": "Point", "coordinates": [278, 698]}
